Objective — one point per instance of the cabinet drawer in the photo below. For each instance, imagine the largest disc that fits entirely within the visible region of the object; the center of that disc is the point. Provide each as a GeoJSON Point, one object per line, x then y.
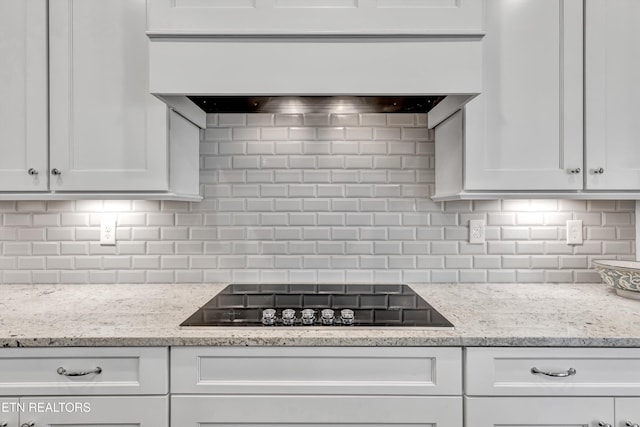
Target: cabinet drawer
{"type": "Point", "coordinates": [316, 370]}
{"type": "Point", "coordinates": [35, 371]}
{"type": "Point", "coordinates": [110, 411]}
{"type": "Point", "coordinates": [317, 411]}
{"type": "Point", "coordinates": [592, 371]}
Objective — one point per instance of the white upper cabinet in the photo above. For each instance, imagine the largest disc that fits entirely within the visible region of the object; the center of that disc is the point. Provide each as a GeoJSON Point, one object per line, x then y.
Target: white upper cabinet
{"type": "Point", "coordinates": [612, 70]}
{"type": "Point", "coordinates": [76, 116]}
{"type": "Point", "coordinates": [525, 131]}
{"type": "Point", "coordinates": [23, 104]}
{"type": "Point", "coordinates": [540, 129]}
{"type": "Point", "coordinates": [387, 17]}
{"type": "Point", "coordinates": [107, 132]}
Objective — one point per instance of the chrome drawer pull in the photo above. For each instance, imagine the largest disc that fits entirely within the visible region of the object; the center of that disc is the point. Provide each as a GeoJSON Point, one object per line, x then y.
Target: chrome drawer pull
{"type": "Point", "coordinates": [29, 424]}
{"type": "Point", "coordinates": [570, 372]}
{"type": "Point", "coordinates": [630, 424]}
{"type": "Point", "coordinates": [62, 371]}
{"type": "Point", "coordinates": [603, 424]}
{"type": "Point", "coordinates": [3, 424]}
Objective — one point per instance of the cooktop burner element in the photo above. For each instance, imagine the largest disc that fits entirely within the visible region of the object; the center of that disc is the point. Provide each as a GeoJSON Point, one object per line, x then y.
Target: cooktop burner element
{"type": "Point", "coordinates": [317, 305]}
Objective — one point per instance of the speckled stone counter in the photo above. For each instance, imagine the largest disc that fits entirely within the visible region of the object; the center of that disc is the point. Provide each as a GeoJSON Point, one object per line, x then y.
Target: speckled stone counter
{"type": "Point", "coordinates": [483, 315]}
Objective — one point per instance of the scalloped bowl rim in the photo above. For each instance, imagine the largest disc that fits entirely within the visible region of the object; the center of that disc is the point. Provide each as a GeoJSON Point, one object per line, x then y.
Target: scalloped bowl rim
{"type": "Point", "coordinates": [612, 264]}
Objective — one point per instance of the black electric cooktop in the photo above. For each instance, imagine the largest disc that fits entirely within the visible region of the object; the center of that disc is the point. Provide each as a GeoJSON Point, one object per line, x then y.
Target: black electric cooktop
{"type": "Point", "coordinates": [267, 305]}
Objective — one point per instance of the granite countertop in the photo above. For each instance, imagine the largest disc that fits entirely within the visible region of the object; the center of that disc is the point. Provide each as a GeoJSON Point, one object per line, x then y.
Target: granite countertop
{"type": "Point", "coordinates": [483, 315]}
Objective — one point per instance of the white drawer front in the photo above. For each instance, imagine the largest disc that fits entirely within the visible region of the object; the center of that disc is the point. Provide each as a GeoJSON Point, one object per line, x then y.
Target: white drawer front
{"type": "Point", "coordinates": [316, 411]}
{"type": "Point", "coordinates": [126, 370]}
{"type": "Point", "coordinates": [315, 370]}
{"type": "Point", "coordinates": [508, 371]}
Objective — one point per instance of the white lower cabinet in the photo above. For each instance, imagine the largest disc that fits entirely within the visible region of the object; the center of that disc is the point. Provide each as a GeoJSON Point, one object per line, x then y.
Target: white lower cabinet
{"type": "Point", "coordinates": [316, 411]}
{"type": "Point", "coordinates": [538, 411]}
{"type": "Point", "coordinates": [88, 386]}
{"type": "Point", "coordinates": [627, 412]}
{"type": "Point", "coordinates": [9, 415]}
{"type": "Point", "coordinates": [147, 411]}
{"type": "Point", "coordinates": [316, 386]}
{"type": "Point", "coordinates": [552, 387]}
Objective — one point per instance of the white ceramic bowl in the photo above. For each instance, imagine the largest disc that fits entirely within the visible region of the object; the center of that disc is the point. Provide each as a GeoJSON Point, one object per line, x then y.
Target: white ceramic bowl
{"type": "Point", "coordinates": [624, 276]}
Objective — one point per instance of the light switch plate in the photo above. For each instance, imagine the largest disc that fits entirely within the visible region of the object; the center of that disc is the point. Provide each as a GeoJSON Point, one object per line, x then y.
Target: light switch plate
{"type": "Point", "coordinates": [476, 231]}
{"type": "Point", "coordinates": [108, 232]}
{"type": "Point", "coordinates": [574, 232]}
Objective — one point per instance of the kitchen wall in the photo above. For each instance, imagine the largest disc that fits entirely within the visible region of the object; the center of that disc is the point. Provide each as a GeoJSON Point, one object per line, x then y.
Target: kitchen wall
{"type": "Point", "coordinates": [311, 198]}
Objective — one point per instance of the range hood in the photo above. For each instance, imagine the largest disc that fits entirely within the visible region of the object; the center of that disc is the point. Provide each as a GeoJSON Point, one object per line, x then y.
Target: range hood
{"type": "Point", "coordinates": [411, 52]}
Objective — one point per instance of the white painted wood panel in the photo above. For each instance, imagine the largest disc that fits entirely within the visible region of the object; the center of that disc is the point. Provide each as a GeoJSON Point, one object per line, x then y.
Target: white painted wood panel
{"type": "Point", "coordinates": [525, 132]}
{"type": "Point", "coordinates": [507, 371]}
{"type": "Point", "coordinates": [126, 370]}
{"type": "Point", "coordinates": [23, 103]}
{"type": "Point", "coordinates": [316, 66]}
{"type": "Point", "coordinates": [107, 132]}
{"type": "Point", "coordinates": [148, 411]}
{"type": "Point", "coordinates": [627, 411]}
{"type": "Point", "coordinates": [538, 412]}
{"type": "Point", "coordinates": [612, 67]}
{"type": "Point", "coordinates": [199, 17]}
{"type": "Point", "coordinates": [184, 155]}
{"type": "Point", "coordinates": [450, 155]}
{"type": "Point", "coordinates": [317, 370]}
{"type": "Point", "coordinates": [318, 411]}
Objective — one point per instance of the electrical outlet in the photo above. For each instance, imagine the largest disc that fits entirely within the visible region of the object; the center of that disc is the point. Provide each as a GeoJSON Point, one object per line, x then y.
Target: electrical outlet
{"type": "Point", "coordinates": [574, 232]}
{"type": "Point", "coordinates": [476, 231]}
{"type": "Point", "coordinates": [108, 232]}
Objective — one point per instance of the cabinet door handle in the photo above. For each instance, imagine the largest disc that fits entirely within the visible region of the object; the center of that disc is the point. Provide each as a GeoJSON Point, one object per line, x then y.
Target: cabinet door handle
{"type": "Point", "coordinates": [56, 172]}
{"type": "Point", "coordinates": [570, 372]}
{"type": "Point", "coordinates": [29, 424]}
{"type": "Point", "coordinates": [31, 171]}
{"type": "Point", "coordinates": [603, 424]}
{"type": "Point", "coordinates": [574, 171]}
{"type": "Point", "coordinates": [62, 371]}
{"type": "Point", "coordinates": [3, 424]}
{"type": "Point", "coordinates": [598, 171]}
{"type": "Point", "coordinates": [630, 424]}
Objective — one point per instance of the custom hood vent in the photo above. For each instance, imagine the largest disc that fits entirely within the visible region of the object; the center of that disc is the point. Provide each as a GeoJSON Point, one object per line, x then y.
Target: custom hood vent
{"type": "Point", "coordinates": [315, 55]}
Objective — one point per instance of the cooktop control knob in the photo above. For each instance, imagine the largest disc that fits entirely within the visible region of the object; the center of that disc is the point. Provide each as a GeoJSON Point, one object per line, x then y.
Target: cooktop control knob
{"type": "Point", "coordinates": [288, 317]}
{"type": "Point", "coordinates": [269, 317]}
{"type": "Point", "coordinates": [308, 317]}
{"type": "Point", "coordinates": [347, 317]}
{"type": "Point", "coordinates": [327, 316]}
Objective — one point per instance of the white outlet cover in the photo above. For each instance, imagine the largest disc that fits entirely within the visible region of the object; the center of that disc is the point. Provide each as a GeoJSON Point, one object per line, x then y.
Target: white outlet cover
{"type": "Point", "coordinates": [476, 231]}
{"type": "Point", "coordinates": [574, 232]}
{"type": "Point", "coordinates": [108, 232]}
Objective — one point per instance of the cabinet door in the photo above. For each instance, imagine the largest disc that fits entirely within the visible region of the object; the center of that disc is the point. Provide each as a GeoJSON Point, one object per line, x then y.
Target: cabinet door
{"type": "Point", "coordinates": [23, 104]}
{"type": "Point", "coordinates": [107, 132]}
{"type": "Point", "coordinates": [612, 67]}
{"type": "Point", "coordinates": [525, 131]}
{"type": "Point", "coordinates": [9, 412]}
{"type": "Point", "coordinates": [627, 411]}
{"type": "Point", "coordinates": [316, 411]}
{"type": "Point", "coordinates": [81, 411]}
{"type": "Point", "coordinates": [538, 411]}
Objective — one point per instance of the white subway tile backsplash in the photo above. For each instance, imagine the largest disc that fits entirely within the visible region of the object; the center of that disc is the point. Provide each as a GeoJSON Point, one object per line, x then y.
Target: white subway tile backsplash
{"type": "Point", "coordinates": [311, 198]}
